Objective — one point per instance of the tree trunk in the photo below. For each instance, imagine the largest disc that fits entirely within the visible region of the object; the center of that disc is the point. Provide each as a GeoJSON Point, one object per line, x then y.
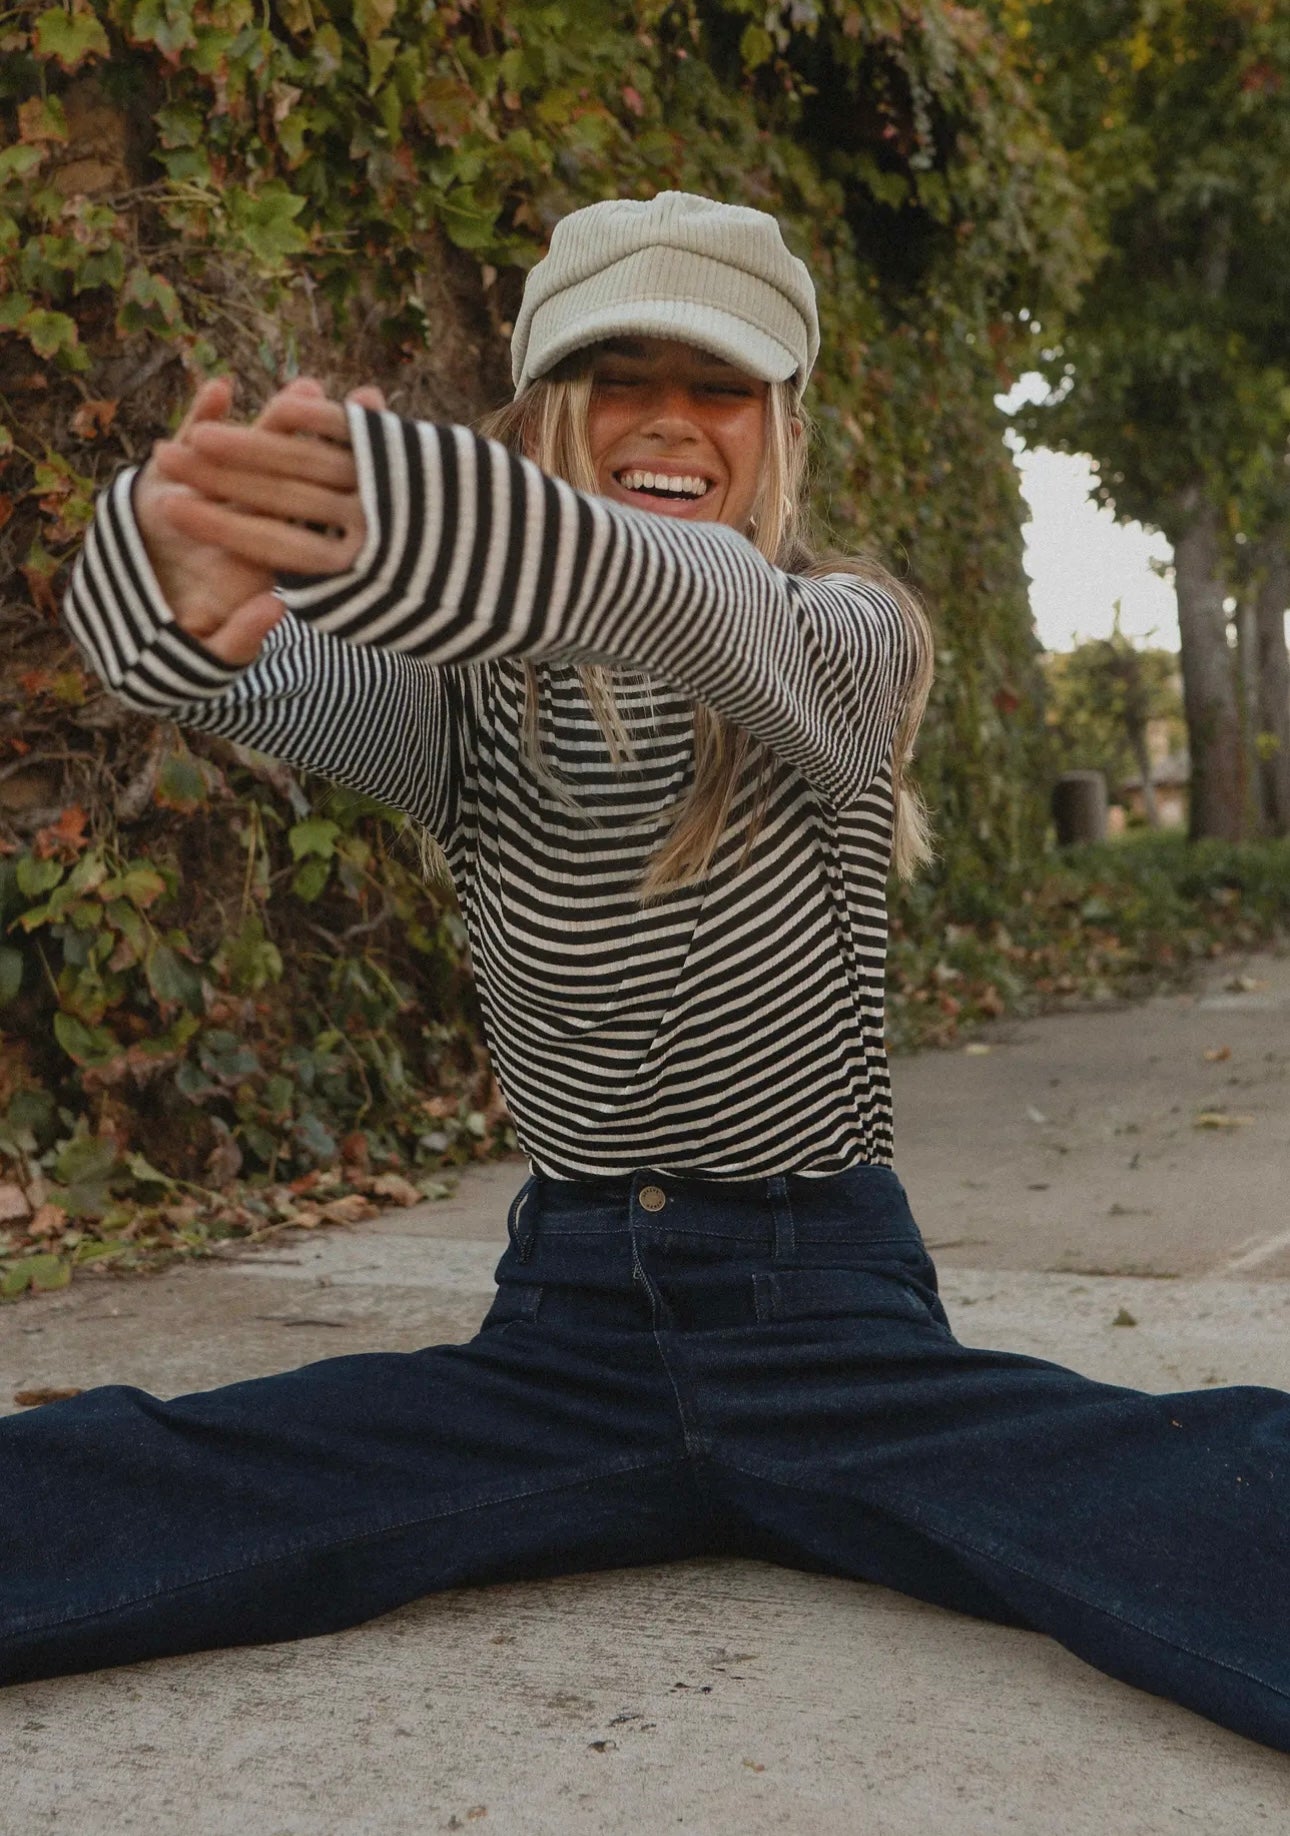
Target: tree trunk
{"type": "Point", "coordinates": [1247, 683]}
{"type": "Point", "coordinates": [1218, 778]}
{"type": "Point", "coordinates": [1142, 758]}
{"type": "Point", "coordinates": [1272, 713]}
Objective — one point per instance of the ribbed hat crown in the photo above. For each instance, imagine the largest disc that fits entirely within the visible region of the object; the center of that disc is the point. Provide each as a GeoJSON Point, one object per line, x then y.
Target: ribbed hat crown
{"type": "Point", "coordinates": [717, 276]}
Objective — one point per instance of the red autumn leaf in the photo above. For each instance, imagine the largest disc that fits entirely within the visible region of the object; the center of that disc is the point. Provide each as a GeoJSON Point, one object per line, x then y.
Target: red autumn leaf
{"type": "Point", "coordinates": [354, 1148]}
{"type": "Point", "coordinates": [93, 418]}
{"type": "Point", "coordinates": [6, 510]}
{"type": "Point", "coordinates": [65, 837]}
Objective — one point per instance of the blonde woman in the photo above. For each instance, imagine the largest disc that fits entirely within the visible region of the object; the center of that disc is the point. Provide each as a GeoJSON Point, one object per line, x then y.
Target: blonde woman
{"type": "Point", "coordinates": [663, 750]}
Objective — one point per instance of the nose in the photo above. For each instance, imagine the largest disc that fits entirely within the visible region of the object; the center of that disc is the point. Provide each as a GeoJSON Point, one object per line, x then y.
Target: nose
{"type": "Point", "coordinates": [670, 413]}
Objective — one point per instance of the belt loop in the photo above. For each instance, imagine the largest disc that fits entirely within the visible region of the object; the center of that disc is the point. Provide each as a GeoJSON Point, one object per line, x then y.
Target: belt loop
{"type": "Point", "coordinates": [782, 1212]}
{"type": "Point", "coordinates": [521, 1221]}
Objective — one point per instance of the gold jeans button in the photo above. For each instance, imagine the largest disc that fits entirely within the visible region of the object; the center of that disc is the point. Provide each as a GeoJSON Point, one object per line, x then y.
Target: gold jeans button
{"type": "Point", "coordinates": [652, 1198]}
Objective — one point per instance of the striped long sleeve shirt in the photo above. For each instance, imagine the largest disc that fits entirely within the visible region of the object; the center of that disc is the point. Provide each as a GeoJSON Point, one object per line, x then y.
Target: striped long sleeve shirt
{"type": "Point", "coordinates": [728, 1029]}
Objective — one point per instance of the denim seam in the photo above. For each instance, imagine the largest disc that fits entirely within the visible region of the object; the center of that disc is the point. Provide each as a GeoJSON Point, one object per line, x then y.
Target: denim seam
{"type": "Point", "coordinates": [610, 1469]}
{"type": "Point", "coordinates": [1124, 1619]}
{"type": "Point", "coordinates": [781, 1206]}
{"type": "Point", "coordinates": [698, 1442]}
{"type": "Point", "coordinates": [1015, 1567]}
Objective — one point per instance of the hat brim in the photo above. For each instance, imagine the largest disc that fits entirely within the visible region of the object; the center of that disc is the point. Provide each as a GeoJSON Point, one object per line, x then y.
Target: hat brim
{"type": "Point", "coordinates": [706, 327]}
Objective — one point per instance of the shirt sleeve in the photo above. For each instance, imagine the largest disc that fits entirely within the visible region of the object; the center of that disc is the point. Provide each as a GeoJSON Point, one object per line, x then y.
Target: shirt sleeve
{"type": "Point", "coordinates": [376, 721]}
{"type": "Point", "coordinates": [472, 553]}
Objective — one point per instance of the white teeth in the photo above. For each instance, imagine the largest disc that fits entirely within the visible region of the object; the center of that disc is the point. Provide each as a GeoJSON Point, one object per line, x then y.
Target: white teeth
{"type": "Point", "coordinates": [689, 486]}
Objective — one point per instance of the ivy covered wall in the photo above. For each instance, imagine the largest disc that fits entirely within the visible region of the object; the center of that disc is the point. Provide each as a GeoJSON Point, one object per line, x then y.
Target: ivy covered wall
{"type": "Point", "coordinates": [356, 190]}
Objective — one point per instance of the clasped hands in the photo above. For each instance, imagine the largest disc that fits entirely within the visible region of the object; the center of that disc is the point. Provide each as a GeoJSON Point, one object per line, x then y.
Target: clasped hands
{"type": "Point", "coordinates": [222, 508]}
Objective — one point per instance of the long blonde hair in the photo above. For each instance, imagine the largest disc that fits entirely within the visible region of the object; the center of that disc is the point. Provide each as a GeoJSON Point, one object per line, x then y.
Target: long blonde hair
{"type": "Point", "coordinates": [548, 423]}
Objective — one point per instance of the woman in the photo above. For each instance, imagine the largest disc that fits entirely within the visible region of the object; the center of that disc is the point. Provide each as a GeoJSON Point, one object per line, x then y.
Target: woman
{"type": "Point", "coordinates": [664, 754]}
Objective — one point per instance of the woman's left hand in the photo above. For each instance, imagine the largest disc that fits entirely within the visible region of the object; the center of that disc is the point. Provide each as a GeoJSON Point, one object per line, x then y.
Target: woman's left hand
{"type": "Point", "coordinates": [284, 499]}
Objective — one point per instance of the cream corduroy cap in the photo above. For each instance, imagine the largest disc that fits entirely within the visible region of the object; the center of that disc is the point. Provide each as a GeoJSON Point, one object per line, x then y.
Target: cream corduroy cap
{"type": "Point", "coordinates": [717, 276]}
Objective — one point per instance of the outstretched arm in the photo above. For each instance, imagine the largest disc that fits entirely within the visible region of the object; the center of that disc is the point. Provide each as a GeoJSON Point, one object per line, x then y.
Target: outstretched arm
{"type": "Point", "coordinates": [455, 550]}
{"type": "Point", "coordinates": [182, 630]}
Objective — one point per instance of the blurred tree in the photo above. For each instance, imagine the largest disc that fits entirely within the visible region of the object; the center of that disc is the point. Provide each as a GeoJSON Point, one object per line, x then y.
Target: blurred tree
{"type": "Point", "coordinates": [1173, 373]}
{"type": "Point", "coordinates": [1270, 711]}
{"type": "Point", "coordinates": [1104, 696]}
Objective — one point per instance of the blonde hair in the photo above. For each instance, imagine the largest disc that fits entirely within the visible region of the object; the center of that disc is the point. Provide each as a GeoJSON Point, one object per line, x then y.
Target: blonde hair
{"type": "Point", "coordinates": [548, 423]}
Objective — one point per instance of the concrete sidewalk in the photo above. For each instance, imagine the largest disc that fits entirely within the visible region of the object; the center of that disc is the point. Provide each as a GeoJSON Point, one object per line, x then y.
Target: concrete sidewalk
{"type": "Point", "coordinates": [1068, 1186]}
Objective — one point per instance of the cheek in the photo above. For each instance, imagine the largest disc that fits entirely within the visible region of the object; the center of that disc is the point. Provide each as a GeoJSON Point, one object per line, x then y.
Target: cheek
{"type": "Point", "coordinates": [607, 422]}
{"type": "Point", "coordinates": [745, 453]}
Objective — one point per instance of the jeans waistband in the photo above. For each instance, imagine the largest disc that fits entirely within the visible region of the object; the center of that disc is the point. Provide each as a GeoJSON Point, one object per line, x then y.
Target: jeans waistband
{"type": "Point", "coordinates": [865, 1204]}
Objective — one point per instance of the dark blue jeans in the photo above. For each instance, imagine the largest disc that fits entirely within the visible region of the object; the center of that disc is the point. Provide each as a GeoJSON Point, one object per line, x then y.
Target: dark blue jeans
{"type": "Point", "coordinates": [671, 1368]}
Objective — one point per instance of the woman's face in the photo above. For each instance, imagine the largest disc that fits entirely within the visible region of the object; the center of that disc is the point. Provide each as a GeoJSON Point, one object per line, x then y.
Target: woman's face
{"type": "Point", "coordinates": [676, 431]}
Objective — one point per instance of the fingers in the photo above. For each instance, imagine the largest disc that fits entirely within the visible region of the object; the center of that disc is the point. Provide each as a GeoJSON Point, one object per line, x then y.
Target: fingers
{"type": "Point", "coordinates": [300, 388]}
{"type": "Point", "coordinates": [262, 541]}
{"type": "Point", "coordinates": [368, 396]}
{"type": "Point", "coordinates": [212, 402]}
{"type": "Point", "coordinates": [249, 453]}
{"type": "Point", "coordinates": [270, 493]}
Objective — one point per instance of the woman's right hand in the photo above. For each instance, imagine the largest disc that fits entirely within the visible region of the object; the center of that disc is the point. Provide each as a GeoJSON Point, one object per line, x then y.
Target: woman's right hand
{"type": "Point", "coordinates": [223, 601]}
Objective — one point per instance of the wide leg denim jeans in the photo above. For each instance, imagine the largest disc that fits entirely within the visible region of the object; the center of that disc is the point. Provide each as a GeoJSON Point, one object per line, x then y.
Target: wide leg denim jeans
{"type": "Point", "coordinates": [671, 1368]}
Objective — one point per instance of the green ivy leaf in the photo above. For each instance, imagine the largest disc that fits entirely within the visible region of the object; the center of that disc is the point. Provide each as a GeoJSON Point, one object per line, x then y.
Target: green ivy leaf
{"type": "Point", "coordinates": [266, 222]}
{"type": "Point", "coordinates": [171, 979]}
{"type": "Point", "coordinates": [85, 1045]}
{"type": "Point", "coordinates": [372, 17]}
{"type": "Point", "coordinates": [168, 24]}
{"type": "Point", "coordinates": [181, 784]}
{"type": "Point", "coordinates": [49, 1272]}
{"type": "Point", "coordinates": [315, 835]}
{"type": "Point", "coordinates": [756, 47]}
{"type": "Point", "coordinates": [19, 161]}
{"type": "Point", "coordinates": [310, 879]}
{"type": "Point", "coordinates": [50, 334]}
{"type": "Point", "coordinates": [142, 1169]}
{"type": "Point", "coordinates": [16, 1279]}
{"type": "Point", "coordinates": [148, 302]}
{"type": "Point", "coordinates": [10, 973]}
{"type": "Point", "coordinates": [34, 1110]}
{"type": "Point", "coordinates": [88, 1159]}
{"type": "Point", "coordinates": [35, 876]}
{"type": "Point", "coordinates": [140, 884]}
{"type": "Point", "coordinates": [469, 223]}
{"type": "Point", "coordinates": [70, 38]}
{"type": "Point", "coordinates": [250, 960]}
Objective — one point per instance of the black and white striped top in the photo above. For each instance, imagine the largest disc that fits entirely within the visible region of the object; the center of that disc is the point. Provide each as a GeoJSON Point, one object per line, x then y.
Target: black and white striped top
{"type": "Point", "coordinates": [731, 1029]}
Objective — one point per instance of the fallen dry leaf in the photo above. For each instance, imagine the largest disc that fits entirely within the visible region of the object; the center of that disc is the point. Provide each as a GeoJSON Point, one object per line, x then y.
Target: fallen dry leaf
{"type": "Point", "coordinates": [348, 1210]}
{"type": "Point", "coordinates": [45, 1393]}
{"type": "Point", "coordinates": [49, 1221]}
{"type": "Point", "coordinates": [1219, 1118]}
{"type": "Point", "coordinates": [398, 1190]}
{"type": "Point", "coordinates": [1218, 1055]}
{"type": "Point", "coordinates": [13, 1204]}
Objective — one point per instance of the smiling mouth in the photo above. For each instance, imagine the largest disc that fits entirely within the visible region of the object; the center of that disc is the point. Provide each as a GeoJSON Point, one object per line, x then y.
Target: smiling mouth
{"type": "Point", "coordinates": [687, 487]}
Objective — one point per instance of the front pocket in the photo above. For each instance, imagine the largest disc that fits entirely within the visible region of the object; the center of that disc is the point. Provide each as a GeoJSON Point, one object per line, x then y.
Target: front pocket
{"type": "Point", "coordinates": [827, 1294]}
